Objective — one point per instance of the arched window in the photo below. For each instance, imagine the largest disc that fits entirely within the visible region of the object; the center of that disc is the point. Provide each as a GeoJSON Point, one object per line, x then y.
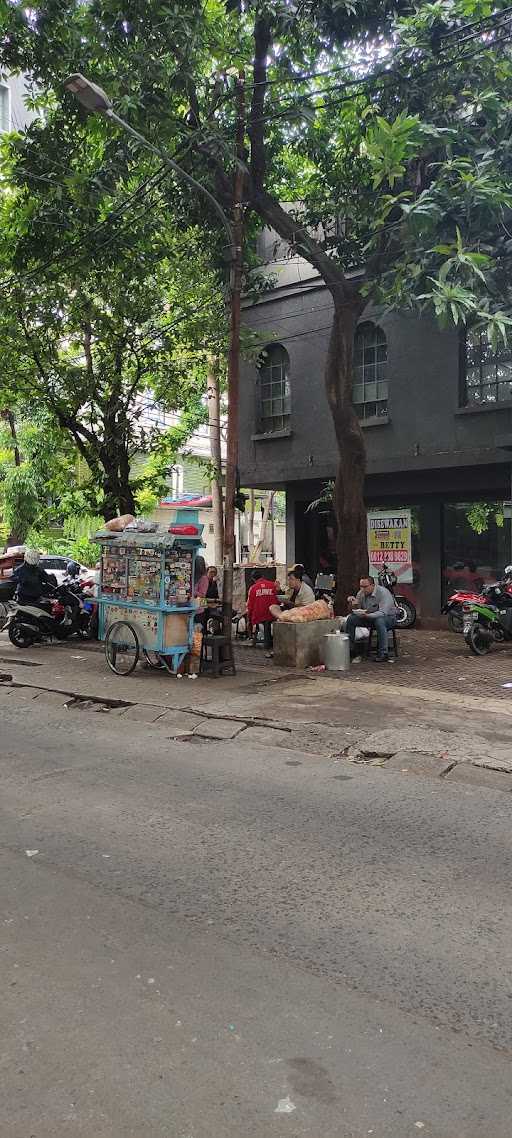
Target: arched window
{"type": "Point", "coordinates": [487, 371]}
{"type": "Point", "coordinates": [273, 393]}
{"type": "Point", "coordinates": [370, 386]}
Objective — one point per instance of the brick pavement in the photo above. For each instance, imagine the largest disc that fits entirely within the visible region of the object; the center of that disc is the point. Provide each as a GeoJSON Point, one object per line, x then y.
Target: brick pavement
{"type": "Point", "coordinates": [428, 659]}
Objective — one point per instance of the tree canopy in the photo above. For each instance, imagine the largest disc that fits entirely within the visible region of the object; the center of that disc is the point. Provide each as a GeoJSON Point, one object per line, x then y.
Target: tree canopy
{"type": "Point", "coordinates": [387, 124]}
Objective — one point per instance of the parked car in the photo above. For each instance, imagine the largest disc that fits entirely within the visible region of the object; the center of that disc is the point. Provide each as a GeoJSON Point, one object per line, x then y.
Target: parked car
{"type": "Point", "coordinates": [56, 564]}
{"type": "Point", "coordinates": [50, 562]}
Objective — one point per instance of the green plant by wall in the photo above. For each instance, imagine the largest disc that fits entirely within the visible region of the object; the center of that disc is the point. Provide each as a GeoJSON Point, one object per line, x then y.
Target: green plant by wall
{"type": "Point", "coordinates": [481, 513]}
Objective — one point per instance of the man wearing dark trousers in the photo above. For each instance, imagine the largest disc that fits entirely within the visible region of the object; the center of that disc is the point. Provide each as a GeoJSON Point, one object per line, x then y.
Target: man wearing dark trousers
{"type": "Point", "coordinates": [262, 594]}
{"type": "Point", "coordinates": [373, 605]}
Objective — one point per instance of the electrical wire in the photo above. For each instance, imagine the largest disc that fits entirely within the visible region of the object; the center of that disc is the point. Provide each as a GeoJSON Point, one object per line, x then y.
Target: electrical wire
{"type": "Point", "coordinates": [142, 190]}
{"type": "Point", "coordinates": [375, 81]}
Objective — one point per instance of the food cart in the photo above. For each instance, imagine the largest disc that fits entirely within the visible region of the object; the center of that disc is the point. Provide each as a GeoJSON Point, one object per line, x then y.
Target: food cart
{"type": "Point", "coordinates": [146, 597]}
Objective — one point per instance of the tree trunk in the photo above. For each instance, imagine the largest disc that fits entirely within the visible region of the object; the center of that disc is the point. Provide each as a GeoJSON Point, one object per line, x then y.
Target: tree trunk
{"type": "Point", "coordinates": [216, 459]}
{"type": "Point", "coordinates": [13, 537]}
{"type": "Point", "coordinates": [349, 503]}
{"type": "Point", "coordinates": [12, 427]}
{"type": "Point", "coordinates": [118, 493]}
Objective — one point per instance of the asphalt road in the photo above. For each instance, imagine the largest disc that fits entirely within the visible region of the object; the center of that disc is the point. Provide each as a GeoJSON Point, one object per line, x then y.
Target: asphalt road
{"type": "Point", "coordinates": [213, 941]}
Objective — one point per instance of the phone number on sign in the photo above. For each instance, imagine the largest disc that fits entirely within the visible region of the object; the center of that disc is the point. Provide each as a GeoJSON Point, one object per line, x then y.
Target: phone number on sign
{"type": "Point", "coordinates": [389, 557]}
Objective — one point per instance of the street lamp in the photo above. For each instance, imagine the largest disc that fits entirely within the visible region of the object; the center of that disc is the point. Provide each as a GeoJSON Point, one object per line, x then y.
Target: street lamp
{"type": "Point", "coordinates": [96, 101]}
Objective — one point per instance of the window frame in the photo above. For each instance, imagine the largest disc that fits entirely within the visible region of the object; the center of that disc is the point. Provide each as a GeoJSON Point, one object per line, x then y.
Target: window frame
{"type": "Point", "coordinates": [487, 358]}
{"type": "Point", "coordinates": [271, 390]}
{"type": "Point", "coordinates": [5, 87]}
{"type": "Point", "coordinates": [360, 379]}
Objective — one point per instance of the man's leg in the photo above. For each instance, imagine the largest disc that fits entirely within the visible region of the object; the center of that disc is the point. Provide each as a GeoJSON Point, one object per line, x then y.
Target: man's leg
{"type": "Point", "coordinates": [383, 624]}
{"type": "Point", "coordinates": [267, 635]}
{"type": "Point", "coordinates": [352, 623]}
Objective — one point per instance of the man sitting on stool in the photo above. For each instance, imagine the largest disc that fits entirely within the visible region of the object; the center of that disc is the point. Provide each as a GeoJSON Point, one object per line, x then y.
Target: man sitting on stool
{"type": "Point", "coordinates": [373, 606]}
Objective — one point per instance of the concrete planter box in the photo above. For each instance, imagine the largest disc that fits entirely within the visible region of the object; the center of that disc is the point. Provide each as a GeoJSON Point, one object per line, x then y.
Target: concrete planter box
{"type": "Point", "coordinates": [301, 645]}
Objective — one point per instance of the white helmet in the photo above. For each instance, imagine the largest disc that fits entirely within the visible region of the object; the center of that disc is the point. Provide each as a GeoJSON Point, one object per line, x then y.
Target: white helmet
{"type": "Point", "coordinates": [32, 556]}
{"type": "Point", "coordinates": [507, 572]}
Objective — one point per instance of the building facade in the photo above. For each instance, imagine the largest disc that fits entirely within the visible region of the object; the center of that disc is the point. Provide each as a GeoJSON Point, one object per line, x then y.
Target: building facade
{"type": "Point", "coordinates": [436, 412]}
{"type": "Point", "coordinates": [14, 113]}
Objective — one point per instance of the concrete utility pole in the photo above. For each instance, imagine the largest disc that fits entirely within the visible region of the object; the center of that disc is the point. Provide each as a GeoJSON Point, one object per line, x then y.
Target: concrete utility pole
{"type": "Point", "coordinates": [234, 359]}
{"type": "Point", "coordinates": [213, 392]}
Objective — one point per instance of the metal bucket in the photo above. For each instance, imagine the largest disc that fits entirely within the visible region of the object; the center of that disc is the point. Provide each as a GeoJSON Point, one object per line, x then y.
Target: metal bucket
{"type": "Point", "coordinates": [336, 652]}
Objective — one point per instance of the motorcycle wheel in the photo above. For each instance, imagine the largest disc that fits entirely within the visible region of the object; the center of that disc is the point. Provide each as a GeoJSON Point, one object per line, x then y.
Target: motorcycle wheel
{"type": "Point", "coordinates": [405, 613]}
{"type": "Point", "coordinates": [455, 621]}
{"type": "Point", "coordinates": [478, 643]}
{"type": "Point", "coordinates": [20, 635]}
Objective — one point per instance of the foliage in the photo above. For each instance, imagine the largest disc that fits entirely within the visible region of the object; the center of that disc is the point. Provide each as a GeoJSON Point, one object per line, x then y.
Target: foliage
{"type": "Point", "coordinates": [19, 501]}
{"type": "Point", "coordinates": [146, 500]}
{"type": "Point", "coordinates": [386, 126]}
{"type": "Point", "coordinates": [325, 503]}
{"type": "Point", "coordinates": [481, 513]}
{"type": "Point", "coordinates": [111, 298]}
{"type": "Point", "coordinates": [74, 541]}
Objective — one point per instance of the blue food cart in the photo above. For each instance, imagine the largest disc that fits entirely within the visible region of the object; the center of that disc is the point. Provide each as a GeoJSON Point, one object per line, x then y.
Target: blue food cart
{"type": "Point", "coordinates": [146, 596]}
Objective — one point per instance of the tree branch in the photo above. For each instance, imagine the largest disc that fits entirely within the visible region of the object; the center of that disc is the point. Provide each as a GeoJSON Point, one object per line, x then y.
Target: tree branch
{"type": "Point", "coordinates": [256, 128]}
{"type": "Point", "coordinates": [263, 203]}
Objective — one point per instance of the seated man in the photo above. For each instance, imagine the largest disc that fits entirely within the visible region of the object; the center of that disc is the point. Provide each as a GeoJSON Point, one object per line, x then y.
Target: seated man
{"type": "Point", "coordinates": [299, 594]}
{"type": "Point", "coordinates": [260, 602]}
{"type": "Point", "coordinates": [373, 605]}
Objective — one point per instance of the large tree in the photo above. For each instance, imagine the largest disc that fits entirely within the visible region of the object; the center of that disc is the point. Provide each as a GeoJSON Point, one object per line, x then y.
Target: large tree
{"type": "Point", "coordinates": [388, 125]}
{"type": "Point", "coordinates": [396, 148]}
{"type": "Point", "coordinates": [111, 301]}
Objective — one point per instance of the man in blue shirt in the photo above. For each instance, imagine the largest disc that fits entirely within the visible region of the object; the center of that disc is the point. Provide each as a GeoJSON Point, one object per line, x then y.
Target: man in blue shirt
{"type": "Point", "coordinates": [373, 605]}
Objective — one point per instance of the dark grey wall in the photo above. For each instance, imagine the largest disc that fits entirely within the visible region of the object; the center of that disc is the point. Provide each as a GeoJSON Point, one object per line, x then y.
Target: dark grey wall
{"type": "Point", "coordinates": [427, 429]}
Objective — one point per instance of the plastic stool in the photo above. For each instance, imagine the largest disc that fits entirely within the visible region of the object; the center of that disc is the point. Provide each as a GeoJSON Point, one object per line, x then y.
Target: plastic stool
{"type": "Point", "coordinates": [217, 656]}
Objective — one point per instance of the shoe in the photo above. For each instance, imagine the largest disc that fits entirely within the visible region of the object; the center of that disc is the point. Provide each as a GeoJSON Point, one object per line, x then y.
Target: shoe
{"type": "Point", "coordinates": [268, 655]}
{"type": "Point", "coordinates": [357, 659]}
{"type": "Point", "coordinates": [382, 659]}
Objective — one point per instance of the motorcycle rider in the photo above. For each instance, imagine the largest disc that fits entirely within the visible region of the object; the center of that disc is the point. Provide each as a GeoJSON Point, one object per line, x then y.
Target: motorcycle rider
{"type": "Point", "coordinates": [72, 573]}
{"type": "Point", "coordinates": [31, 580]}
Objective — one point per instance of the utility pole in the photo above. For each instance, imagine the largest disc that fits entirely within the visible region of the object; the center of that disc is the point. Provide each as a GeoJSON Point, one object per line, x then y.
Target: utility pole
{"type": "Point", "coordinates": [234, 360]}
{"type": "Point", "coordinates": [216, 459]}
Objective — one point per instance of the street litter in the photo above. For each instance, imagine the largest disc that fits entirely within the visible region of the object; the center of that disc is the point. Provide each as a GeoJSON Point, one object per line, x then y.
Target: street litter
{"type": "Point", "coordinates": [506, 685]}
{"type": "Point", "coordinates": [285, 1106]}
{"type": "Point", "coordinates": [31, 853]}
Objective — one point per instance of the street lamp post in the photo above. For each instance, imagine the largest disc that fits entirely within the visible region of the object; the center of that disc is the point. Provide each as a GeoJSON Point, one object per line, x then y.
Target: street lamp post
{"type": "Point", "coordinates": [96, 101]}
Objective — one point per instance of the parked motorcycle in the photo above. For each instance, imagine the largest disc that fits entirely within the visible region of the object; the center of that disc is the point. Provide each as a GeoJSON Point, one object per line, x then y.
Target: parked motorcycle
{"type": "Point", "coordinates": [405, 610]}
{"type": "Point", "coordinates": [489, 621]}
{"type": "Point", "coordinates": [454, 608]}
{"type": "Point", "coordinates": [325, 587]}
{"type": "Point", "coordinates": [32, 623]}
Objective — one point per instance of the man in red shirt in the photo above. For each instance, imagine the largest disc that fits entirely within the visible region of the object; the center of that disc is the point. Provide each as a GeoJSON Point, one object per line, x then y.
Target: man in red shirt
{"type": "Point", "coordinates": [262, 594]}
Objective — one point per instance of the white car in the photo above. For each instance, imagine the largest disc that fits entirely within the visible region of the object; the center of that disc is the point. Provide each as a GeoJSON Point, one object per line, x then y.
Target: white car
{"type": "Point", "coordinates": [54, 563]}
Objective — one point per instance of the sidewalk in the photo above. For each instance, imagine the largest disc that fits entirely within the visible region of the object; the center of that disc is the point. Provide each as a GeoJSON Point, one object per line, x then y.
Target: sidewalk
{"type": "Point", "coordinates": [436, 701]}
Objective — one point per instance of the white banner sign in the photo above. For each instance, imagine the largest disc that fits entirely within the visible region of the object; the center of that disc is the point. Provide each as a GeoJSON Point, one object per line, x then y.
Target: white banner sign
{"type": "Point", "coordinates": [389, 543]}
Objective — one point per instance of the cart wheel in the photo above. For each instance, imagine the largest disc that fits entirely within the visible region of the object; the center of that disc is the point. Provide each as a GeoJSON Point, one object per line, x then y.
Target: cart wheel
{"type": "Point", "coordinates": [122, 648]}
{"type": "Point", "coordinates": [153, 659]}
